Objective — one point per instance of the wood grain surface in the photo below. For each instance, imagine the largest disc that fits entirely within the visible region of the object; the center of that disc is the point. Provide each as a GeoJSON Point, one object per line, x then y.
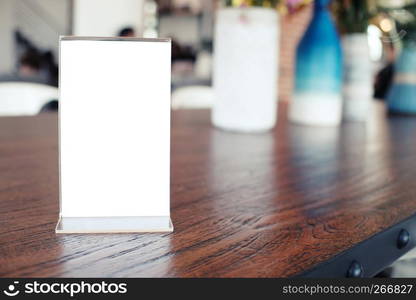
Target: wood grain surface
{"type": "Point", "coordinates": [243, 205]}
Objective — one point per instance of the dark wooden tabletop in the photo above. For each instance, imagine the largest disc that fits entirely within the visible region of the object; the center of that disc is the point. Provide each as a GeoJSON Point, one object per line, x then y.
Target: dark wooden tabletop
{"type": "Point", "coordinates": [243, 205]}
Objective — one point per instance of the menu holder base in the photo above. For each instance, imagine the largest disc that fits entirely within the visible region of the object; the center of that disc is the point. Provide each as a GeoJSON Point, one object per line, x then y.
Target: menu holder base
{"type": "Point", "coordinates": [113, 224]}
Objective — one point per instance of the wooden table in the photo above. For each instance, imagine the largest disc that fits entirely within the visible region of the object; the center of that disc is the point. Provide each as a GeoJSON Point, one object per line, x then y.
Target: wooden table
{"type": "Point", "coordinates": [294, 201]}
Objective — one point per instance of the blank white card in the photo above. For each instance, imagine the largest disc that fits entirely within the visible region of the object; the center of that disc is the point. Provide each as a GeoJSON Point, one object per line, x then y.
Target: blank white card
{"type": "Point", "coordinates": [114, 135]}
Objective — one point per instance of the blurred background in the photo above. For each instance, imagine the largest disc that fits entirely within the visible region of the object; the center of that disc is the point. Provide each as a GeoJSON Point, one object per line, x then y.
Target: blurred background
{"type": "Point", "coordinates": [29, 31]}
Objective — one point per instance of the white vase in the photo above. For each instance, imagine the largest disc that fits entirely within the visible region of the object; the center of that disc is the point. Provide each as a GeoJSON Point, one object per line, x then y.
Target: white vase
{"type": "Point", "coordinates": [358, 77]}
{"type": "Point", "coordinates": [246, 69]}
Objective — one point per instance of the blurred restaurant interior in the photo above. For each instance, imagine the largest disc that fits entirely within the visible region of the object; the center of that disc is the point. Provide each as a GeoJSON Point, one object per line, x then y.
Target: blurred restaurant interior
{"type": "Point", "coordinates": [364, 56]}
{"type": "Point", "coordinates": [30, 30]}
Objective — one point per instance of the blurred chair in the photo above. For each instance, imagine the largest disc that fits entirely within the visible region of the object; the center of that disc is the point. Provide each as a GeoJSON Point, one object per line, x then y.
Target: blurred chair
{"type": "Point", "coordinates": [24, 98]}
{"type": "Point", "coordinates": [192, 97]}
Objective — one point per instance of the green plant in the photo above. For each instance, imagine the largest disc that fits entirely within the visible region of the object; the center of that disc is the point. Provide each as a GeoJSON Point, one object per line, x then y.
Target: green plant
{"type": "Point", "coordinates": [353, 16]}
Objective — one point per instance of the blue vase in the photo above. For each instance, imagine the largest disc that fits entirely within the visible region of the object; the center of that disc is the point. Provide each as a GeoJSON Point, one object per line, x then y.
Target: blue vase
{"type": "Point", "coordinates": [401, 97]}
{"type": "Point", "coordinates": [318, 79]}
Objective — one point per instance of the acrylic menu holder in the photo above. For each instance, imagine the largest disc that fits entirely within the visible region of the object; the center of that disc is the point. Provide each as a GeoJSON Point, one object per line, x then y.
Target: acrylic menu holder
{"type": "Point", "coordinates": [114, 135]}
